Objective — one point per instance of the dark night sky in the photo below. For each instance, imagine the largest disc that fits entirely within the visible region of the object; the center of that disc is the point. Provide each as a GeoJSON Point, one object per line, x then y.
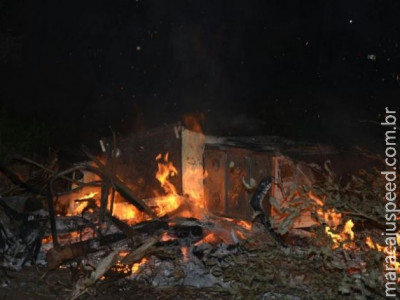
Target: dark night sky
{"type": "Point", "coordinates": [292, 68]}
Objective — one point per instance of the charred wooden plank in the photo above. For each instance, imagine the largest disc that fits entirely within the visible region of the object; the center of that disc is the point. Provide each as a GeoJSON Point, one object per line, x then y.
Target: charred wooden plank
{"type": "Point", "coordinates": [58, 255]}
{"type": "Point", "coordinates": [182, 231]}
{"type": "Point", "coordinates": [135, 232]}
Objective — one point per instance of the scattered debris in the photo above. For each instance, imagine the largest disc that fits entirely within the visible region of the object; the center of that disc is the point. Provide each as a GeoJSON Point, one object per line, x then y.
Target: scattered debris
{"type": "Point", "coordinates": [82, 228]}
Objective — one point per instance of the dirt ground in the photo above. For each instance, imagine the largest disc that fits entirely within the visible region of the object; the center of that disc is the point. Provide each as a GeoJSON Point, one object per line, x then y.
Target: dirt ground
{"type": "Point", "coordinates": [30, 283]}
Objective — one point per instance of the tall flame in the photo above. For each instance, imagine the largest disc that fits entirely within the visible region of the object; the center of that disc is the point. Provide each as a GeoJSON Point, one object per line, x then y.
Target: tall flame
{"type": "Point", "coordinates": [166, 169]}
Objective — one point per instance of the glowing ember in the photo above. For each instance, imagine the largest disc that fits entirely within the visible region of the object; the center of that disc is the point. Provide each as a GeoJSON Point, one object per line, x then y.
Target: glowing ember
{"type": "Point", "coordinates": [122, 268]}
{"type": "Point", "coordinates": [185, 253]}
{"type": "Point", "coordinates": [316, 199]}
{"type": "Point", "coordinates": [72, 236]}
{"type": "Point", "coordinates": [369, 242]}
{"type": "Point", "coordinates": [210, 238]}
{"type": "Point", "coordinates": [240, 234]}
{"type": "Point", "coordinates": [47, 240]}
{"type": "Point", "coordinates": [136, 266]}
{"type": "Point", "coordinates": [123, 253]}
{"type": "Point", "coordinates": [166, 237]}
{"type": "Point", "coordinates": [245, 225]}
{"type": "Point", "coordinates": [88, 196]}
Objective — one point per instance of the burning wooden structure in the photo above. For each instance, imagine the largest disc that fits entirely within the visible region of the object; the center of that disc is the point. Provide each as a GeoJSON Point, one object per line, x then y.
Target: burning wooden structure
{"type": "Point", "coordinates": [174, 206]}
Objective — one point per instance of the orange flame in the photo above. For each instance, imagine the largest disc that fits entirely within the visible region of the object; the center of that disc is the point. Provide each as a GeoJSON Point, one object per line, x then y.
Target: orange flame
{"type": "Point", "coordinates": [165, 170]}
{"type": "Point", "coordinates": [81, 206]}
{"type": "Point", "coordinates": [376, 246]}
{"type": "Point", "coordinates": [246, 225]}
{"type": "Point", "coordinates": [348, 229]}
{"type": "Point", "coordinates": [210, 238]}
{"type": "Point", "coordinates": [343, 237]}
{"type": "Point", "coordinates": [369, 242]}
{"type": "Point", "coordinates": [166, 237]}
{"type": "Point", "coordinates": [330, 216]}
{"type": "Point", "coordinates": [185, 253]}
{"type": "Point", "coordinates": [136, 266]}
{"type": "Point", "coordinates": [126, 212]}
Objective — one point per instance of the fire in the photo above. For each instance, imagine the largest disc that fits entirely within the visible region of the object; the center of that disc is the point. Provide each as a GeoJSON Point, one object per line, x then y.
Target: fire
{"type": "Point", "coordinates": [88, 196]}
{"type": "Point", "coordinates": [166, 237]}
{"type": "Point", "coordinates": [122, 268]}
{"type": "Point", "coordinates": [342, 238]}
{"type": "Point", "coordinates": [167, 202]}
{"type": "Point", "coordinates": [210, 238]}
{"type": "Point", "coordinates": [245, 225]}
{"type": "Point", "coordinates": [369, 242]}
{"type": "Point", "coordinates": [123, 253]}
{"type": "Point", "coordinates": [47, 240]}
{"type": "Point", "coordinates": [240, 234]}
{"type": "Point", "coordinates": [185, 253]}
{"type": "Point", "coordinates": [193, 175]}
{"type": "Point", "coordinates": [165, 170]}
{"type": "Point", "coordinates": [136, 266]}
{"type": "Point", "coordinates": [372, 245]}
{"type": "Point", "coordinates": [330, 216]}
{"type": "Point", "coordinates": [193, 171]}
{"type": "Point", "coordinates": [336, 238]}
{"type": "Point", "coordinates": [348, 229]}
{"type": "Point", "coordinates": [125, 211]}
{"type": "Point", "coordinates": [82, 203]}
{"type": "Point", "coordinates": [377, 247]}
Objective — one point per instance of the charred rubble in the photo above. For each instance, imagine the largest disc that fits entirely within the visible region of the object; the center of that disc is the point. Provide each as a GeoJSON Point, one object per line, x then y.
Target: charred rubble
{"type": "Point", "coordinates": [240, 218]}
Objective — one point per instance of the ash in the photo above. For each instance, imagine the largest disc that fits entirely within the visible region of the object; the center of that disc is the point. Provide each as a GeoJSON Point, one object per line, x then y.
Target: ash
{"type": "Point", "coordinates": [191, 270]}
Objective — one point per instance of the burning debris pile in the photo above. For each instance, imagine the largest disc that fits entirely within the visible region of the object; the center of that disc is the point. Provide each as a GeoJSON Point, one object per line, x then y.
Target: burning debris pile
{"type": "Point", "coordinates": [310, 235]}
